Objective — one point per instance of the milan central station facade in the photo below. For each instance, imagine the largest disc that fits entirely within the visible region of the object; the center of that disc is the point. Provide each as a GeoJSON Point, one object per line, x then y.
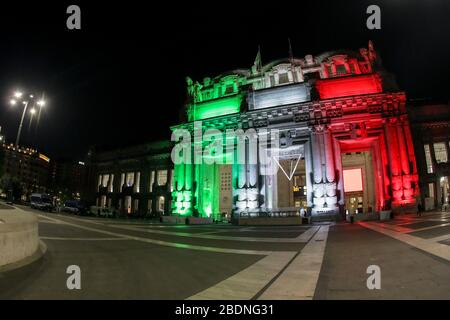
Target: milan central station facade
{"type": "Point", "coordinates": [344, 145]}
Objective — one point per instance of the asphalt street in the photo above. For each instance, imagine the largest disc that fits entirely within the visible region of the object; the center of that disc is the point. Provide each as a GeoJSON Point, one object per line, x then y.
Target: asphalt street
{"type": "Point", "coordinates": [130, 259]}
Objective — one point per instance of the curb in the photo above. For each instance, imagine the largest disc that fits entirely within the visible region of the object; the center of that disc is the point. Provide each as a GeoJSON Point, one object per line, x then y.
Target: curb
{"type": "Point", "coordinates": [40, 252]}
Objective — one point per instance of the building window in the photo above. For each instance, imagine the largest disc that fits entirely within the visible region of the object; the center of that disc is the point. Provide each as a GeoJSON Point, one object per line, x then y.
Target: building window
{"type": "Point", "coordinates": [162, 177]}
{"type": "Point", "coordinates": [272, 81]}
{"type": "Point", "coordinates": [428, 158]}
{"type": "Point", "coordinates": [149, 206]}
{"type": "Point", "coordinates": [136, 205]}
{"type": "Point", "coordinates": [130, 179]}
{"type": "Point", "coordinates": [440, 152]}
{"type": "Point", "coordinates": [431, 190]}
{"type": "Point", "coordinates": [352, 68]}
{"type": "Point", "coordinates": [283, 78]}
{"type": "Point", "coordinates": [152, 181]}
{"type": "Point", "coordinates": [137, 183]}
{"type": "Point", "coordinates": [229, 89]}
{"type": "Point", "coordinates": [171, 181]}
{"type": "Point", "coordinates": [122, 181]}
{"type": "Point", "coordinates": [340, 69]}
{"type": "Point", "coordinates": [105, 180]}
{"type": "Point", "coordinates": [103, 201]}
{"type": "Point", "coordinates": [111, 183]}
{"type": "Point", "coordinates": [127, 204]}
{"type": "Point", "coordinates": [161, 202]}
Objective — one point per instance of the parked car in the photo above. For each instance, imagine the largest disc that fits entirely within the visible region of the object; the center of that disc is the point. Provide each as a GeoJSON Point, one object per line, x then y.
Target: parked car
{"type": "Point", "coordinates": [102, 212]}
{"type": "Point", "coordinates": [41, 201]}
{"type": "Point", "coordinates": [75, 207]}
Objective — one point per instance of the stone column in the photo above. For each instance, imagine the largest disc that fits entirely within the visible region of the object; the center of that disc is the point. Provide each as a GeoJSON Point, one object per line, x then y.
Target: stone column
{"type": "Point", "coordinates": [309, 172]}
{"type": "Point", "coordinates": [324, 181]}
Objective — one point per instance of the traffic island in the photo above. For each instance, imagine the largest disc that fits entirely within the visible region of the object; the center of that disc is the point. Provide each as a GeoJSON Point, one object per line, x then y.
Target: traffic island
{"type": "Point", "coordinates": [19, 238]}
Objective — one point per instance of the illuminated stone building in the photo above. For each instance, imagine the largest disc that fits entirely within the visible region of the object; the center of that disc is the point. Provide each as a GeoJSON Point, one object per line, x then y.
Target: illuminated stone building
{"type": "Point", "coordinates": [343, 140]}
{"type": "Point", "coordinates": [133, 181]}
{"type": "Point", "coordinates": [430, 123]}
{"type": "Point", "coordinates": [25, 166]}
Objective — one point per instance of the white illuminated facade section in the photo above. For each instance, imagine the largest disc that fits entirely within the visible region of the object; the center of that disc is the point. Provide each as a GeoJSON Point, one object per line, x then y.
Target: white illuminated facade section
{"type": "Point", "coordinates": [279, 96]}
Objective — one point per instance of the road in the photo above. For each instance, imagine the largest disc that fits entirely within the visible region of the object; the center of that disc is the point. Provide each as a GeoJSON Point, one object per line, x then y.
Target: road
{"type": "Point", "coordinates": [129, 259]}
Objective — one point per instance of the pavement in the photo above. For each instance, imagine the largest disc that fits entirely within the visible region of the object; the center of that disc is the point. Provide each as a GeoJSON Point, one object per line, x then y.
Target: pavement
{"type": "Point", "coordinates": [131, 259]}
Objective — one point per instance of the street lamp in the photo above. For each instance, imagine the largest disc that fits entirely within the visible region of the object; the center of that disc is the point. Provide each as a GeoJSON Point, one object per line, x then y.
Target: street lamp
{"type": "Point", "coordinates": [17, 96]}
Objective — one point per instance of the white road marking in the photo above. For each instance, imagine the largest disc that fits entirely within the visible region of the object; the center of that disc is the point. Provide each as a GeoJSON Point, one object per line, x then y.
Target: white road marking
{"type": "Point", "coordinates": [48, 222]}
{"type": "Point", "coordinates": [302, 238]}
{"type": "Point", "coordinates": [437, 249]}
{"type": "Point", "coordinates": [299, 280]}
{"type": "Point", "coordinates": [440, 238]}
{"type": "Point", "coordinates": [82, 239]}
{"type": "Point", "coordinates": [171, 244]}
{"type": "Point", "coordinates": [429, 228]}
{"type": "Point", "coordinates": [246, 284]}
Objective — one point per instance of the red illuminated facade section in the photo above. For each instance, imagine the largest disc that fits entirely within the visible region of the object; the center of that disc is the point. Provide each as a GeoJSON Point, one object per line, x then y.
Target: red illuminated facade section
{"type": "Point", "coordinates": [349, 86]}
{"type": "Point", "coordinates": [377, 124]}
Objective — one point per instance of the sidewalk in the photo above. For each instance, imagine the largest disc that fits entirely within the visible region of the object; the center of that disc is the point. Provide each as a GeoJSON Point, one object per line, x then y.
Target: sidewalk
{"type": "Point", "coordinates": [406, 273]}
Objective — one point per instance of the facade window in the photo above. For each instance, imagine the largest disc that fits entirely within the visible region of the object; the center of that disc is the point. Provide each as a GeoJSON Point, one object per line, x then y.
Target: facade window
{"type": "Point", "coordinates": [130, 179]}
{"type": "Point", "coordinates": [103, 201]}
{"type": "Point", "coordinates": [122, 181]}
{"type": "Point", "coordinates": [171, 181]}
{"type": "Point", "coordinates": [440, 152]}
{"type": "Point", "coordinates": [105, 180]}
{"type": "Point", "coordinates": [136, 205]}
{"type": "Point", "coordinates": [161, 202]}
{"type": "Point", "coordinates": [340, 69]}
{"type": "Point", "coordinates": [127, 204]}
{"type": "Point", "coordinates": [152, 181]}
{"type": "Point", "coordinates": [352, 68]}
{"type": "Point", "coordinates": [283, 78]}
{"type": "Point", "coordinates": [229, 89]}
{"type": "Point", "coordinates": [99, 181]}
{"type": "Point", "coordinates": [149, 206]}
{"type": "Point", "coordinates": [111, 183]}
{"type": "Point", "coordinates": [272, 81]}
{"type": "Point", "coordinates": [428, 158]}
{"type": "Point", "coordinates": [431, 190]}
{"type": "Point", "coordinates": [137, 182]}
{"type": "Point", "coordinates": [162, 177]}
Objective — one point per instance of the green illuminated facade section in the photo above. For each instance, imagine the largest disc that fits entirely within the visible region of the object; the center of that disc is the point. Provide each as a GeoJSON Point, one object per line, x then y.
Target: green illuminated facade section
{"type": "Point", "coordinates": [213, 98]}
{"type": "Point", "coordinates": [215, 108]}
{"type": "Point", "coordinates": [196, 187]}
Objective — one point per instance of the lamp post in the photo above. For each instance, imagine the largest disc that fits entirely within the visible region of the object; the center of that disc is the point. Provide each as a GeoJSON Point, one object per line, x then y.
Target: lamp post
{"type": "Point", "coordinates": [17, 98]}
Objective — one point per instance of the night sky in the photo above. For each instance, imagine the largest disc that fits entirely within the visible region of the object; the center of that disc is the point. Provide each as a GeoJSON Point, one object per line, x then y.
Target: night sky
{"type": "Point", "coordinates": [120, 79]}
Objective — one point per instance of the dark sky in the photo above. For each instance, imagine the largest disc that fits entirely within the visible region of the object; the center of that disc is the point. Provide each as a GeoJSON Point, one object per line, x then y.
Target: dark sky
{"type": "Point", "coordinates": [120, 80]}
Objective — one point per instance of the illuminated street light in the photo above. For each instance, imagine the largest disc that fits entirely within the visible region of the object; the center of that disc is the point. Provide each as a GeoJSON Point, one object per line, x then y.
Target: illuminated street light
{"type": "Point", "coordinates": [18, 97]}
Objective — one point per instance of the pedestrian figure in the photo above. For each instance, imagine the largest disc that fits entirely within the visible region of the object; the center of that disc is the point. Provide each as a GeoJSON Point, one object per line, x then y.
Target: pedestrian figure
{"type": "Point", "coordinates": [302, 212]}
